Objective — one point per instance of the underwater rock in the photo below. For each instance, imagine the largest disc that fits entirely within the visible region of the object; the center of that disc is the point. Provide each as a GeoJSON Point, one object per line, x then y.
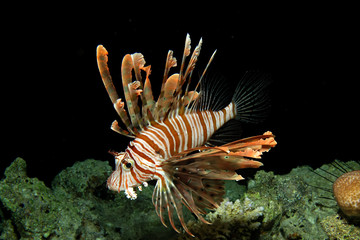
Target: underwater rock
{"type": "Point", "coordinates": [304, 197]}
{"type": "Point", "coordinates": [106, 214]}
{"type": "Point", "coordinates": [339, 228]}
{"type": "Point", "coordinates": [232, 220]}
{"type": "Point", "coordinates": [83, 179]}
{"type": "Point", "coordinates": [294, 206]}
{"type": "Point", "coordinates": [234, 190]}
{"type": "Point", "coordinates": [292, 211]}
{"type": "Point", "coordinates": [32, 206]}
{"type": "Point", "coordinates": [79, 206]}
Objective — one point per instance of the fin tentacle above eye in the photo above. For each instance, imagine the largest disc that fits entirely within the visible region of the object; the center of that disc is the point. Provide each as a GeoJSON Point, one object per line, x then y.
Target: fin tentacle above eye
{"type": "Point", "coordinates": [147, 99]}
{"type": "Point", "coordinates": [102, 60]}
{"type": "Point", "coordinates": [130, 96]}
{"type": "Point", "coordinates": [164, 102]}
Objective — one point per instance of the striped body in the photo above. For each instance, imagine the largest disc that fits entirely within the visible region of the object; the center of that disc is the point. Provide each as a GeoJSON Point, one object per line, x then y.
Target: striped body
{"type": "Point", "coordinates": [170, 135]}
{"type": "Point", "coordinates": [164, 139]}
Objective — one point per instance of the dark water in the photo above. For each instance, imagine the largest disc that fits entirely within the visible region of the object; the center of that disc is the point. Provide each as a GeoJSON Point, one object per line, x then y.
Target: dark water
{"type": "Point", "coordinates": [56, 109]}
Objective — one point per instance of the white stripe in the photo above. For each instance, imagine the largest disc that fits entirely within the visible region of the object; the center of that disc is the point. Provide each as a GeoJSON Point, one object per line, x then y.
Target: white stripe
{"type": "Point", "coordinates": [217, 119]}
{"type": "Point", "coordinates": [165, 141]}
{"type": "Point", "coordinates": [229, 111]}
{"type": "Point", "coordinates": [172, 137]}
{"type": "Point", "coordinates": [207, 123]}
{"type": "Point", "coordinates": [140, 160]}
{"type": "Point", "coordinates": [192, 129]}
{"type": "Point", "coordinates": [153, 138]}
{"type": "Point", "coordinates": [147, 149]}
{"type": "Point", "coordinates": [157, 141]}
{"type": "Point", "coordinates": [211, 123]}
{"type": "Point", "coordinates": [200, 136]}
{"type": "Point", "coordinates": [221, 118]}
{"type": "Point", "coordinates": [183, 126]}
{"type": "Point", "coordinates": [176, 129]}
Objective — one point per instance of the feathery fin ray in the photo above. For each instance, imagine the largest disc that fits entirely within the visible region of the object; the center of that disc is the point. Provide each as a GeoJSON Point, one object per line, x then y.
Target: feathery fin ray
{"type": "Point", "coordinates": [194, 177]}
{"type": "Point", "coordinates": [171, 102]}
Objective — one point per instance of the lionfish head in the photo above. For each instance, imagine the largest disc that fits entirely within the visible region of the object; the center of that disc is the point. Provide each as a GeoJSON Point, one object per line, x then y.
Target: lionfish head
{"type": "Point", "coordinates": [121, 179]}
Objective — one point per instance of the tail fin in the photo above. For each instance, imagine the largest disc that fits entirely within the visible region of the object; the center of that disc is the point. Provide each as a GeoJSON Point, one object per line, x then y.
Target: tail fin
{"type": "Point", "coordinates": [251, 97]}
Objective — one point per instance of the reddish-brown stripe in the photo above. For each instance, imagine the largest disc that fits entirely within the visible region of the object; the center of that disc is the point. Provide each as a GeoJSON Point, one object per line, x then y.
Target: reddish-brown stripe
{"type": "Point", "coordinates": [119, 179]}
{"type": "Point", "coordinates": [159, 137]}
{"type": "Point", "coordinates": [168, 135]}
{"type": "Point", "coordinates": [150, 142]}
{"type": "Point", "coordinates": [159, 176]}
{"type": "Point", "coordinates": [133, 174]}
{"type": "Point", "coordinates": [224, 112]}
{"type": "Point", "coordinates": [175, 135]}
{"type": "Point", "coordinates": [138, 167]}
{"type": "Point", "coordinates": [180, 133]}
{"type": "Point", "coordinates": [203, 125]}
{"type": "Point", "coordinates": [188, 130]}
{"type": "Point", "coordinates": [213, 119]}
{"type": "Point", "coordinates": [234, 109]}
{"type": "Point", "coordinates": [141, 154]}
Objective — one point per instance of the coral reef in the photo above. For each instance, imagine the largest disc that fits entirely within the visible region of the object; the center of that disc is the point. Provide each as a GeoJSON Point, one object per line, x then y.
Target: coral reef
{"type": "Point", "coordinates": [291, 209]}
{"type": "Point", "coordinates": [337, 227]}
{"type": "Point", "coordinates": [347, 193]}
{"type": "Point", "coordinates": [79, 206]}
{"type": "Point", "coordinates": [232, 220]}
{"type": "Point", "coordinates": [33, 207]}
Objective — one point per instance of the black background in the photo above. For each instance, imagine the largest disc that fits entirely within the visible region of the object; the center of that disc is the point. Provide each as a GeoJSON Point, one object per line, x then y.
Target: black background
{"type": "Point", "coordinates": [55, 110]}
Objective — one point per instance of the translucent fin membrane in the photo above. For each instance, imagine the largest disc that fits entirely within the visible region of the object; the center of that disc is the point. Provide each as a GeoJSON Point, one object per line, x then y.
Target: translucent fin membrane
{"type": "Point", "coordinates": [251, 97]}
{"type": "Point", "coordinates": [195, 176]}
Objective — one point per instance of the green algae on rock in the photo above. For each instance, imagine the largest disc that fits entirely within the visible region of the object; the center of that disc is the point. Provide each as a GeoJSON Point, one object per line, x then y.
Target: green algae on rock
{"type": "Point", "coordinates": [232, 220]}
{"type": "Point", "coordinates": [33, 207]}
{"type": "Point", "coordinates": [292, 208]}
{"type": "Point", "coordinates": [337, 227]}
{"type": "Point", "coordinates": [293, 212]}
{"type": "Point", "coordinates": [78, 206]}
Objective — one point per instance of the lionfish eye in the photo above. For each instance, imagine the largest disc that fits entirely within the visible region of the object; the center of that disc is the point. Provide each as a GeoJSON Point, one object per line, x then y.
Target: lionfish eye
{"type": "Point", "coordinates": [128, 164]}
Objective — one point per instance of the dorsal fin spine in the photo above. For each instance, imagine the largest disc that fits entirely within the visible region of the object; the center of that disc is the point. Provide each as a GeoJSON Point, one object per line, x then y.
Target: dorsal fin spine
{"type": "Point", "coordinates": [198, 84]}
{"type": "Point", "coordinates": [173, 99]}
{"type": "Point", "coordinates": [102, 60]}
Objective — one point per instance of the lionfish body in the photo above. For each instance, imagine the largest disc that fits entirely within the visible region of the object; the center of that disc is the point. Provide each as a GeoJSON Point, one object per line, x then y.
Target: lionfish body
{"type": "Point", "coordinates": [172, 136]}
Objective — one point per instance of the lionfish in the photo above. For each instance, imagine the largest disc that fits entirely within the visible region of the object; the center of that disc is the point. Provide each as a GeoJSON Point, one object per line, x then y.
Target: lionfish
{"type": "Point", "coordinates": [173, 137]}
